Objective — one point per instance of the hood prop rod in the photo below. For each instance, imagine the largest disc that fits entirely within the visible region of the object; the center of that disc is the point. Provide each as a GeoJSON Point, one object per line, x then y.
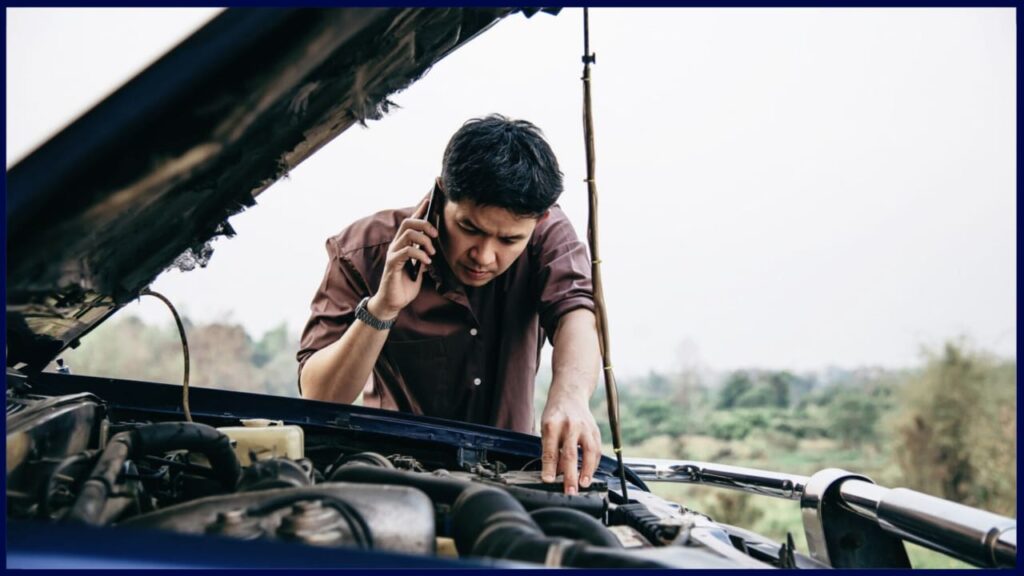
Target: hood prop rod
{"type": "Point", "coordinates": [611, 391]}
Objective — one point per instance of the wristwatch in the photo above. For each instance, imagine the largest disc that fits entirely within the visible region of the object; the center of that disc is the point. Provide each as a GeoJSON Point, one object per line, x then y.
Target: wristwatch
{"type": "Point", "coordinates": [362, 313]}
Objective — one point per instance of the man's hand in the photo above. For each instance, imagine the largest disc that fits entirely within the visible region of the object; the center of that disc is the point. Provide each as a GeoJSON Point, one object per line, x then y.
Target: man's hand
{"type": "Point", "coordinates": [566, 423]}
{"type": "Point", "coordinates": [414, 240]}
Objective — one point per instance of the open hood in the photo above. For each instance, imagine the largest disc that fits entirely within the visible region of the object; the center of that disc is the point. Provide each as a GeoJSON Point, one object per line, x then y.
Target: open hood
{"type": "Point", "coordinates": [155, 170]}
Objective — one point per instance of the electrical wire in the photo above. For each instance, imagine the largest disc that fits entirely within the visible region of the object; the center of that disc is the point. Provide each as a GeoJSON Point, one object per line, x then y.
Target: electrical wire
{"type": "Point", "coordinates": [184, 348]}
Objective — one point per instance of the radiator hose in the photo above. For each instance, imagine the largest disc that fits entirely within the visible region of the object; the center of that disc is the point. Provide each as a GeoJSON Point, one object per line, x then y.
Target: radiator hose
{"type": "Point", "coordinates": [151, 439]}
{"type": "Point", "coordinates": [488, 522]}
{"type": "Point", "coordinates": [569, 523]}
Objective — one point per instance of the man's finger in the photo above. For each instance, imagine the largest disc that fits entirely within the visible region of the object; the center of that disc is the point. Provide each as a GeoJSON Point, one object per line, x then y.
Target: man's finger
{"type": "Point", "coordinates": [550, 436]}
{"type": "Point", "coordinates": [421, 209]}
{"type": "Point", "coordinates": [569, 463]}
{"type": "Point", "coordinates": [591, 457]}
{"type": "Point", "coordinates": [413, 236]}
{"type": "Point", "coordinates": [421, 225]}
{"type": "Point", "coordinates": [410, 252]}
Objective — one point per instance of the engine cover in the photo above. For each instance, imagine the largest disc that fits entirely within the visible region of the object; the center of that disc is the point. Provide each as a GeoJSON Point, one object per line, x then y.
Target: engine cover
{"type": "Point", "coordinates": [401, 519]}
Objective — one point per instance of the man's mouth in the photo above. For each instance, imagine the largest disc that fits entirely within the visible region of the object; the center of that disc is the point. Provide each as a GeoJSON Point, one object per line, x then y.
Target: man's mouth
{"type": "Point", "coordinates": [475, 273]}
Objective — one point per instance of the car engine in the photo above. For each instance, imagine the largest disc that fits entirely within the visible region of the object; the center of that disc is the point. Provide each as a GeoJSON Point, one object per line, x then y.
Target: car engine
{"type": "Point", "coordinates": [70, 462]}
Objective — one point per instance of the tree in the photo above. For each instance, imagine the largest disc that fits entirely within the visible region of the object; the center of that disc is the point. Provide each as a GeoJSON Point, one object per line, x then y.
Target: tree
{"type": "Point", "coordinates": [958, 430]}
{"type": "Point", "coordinates": [738, 383]}
{"type": "Point", "coordinates": [853, 417]}
{"type": "Point", "coordinates": [780, 385]}
{"type": "Point", "coordinates": [273, 342]}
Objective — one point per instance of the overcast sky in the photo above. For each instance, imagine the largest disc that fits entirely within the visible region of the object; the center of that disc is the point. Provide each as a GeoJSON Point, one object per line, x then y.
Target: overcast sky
{"type": "Point", "coordinates": [783, 188]}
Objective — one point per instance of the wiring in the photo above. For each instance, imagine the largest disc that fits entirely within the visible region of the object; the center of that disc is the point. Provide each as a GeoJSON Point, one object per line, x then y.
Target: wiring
{"type": "Point", "coordinates": [184, 349]}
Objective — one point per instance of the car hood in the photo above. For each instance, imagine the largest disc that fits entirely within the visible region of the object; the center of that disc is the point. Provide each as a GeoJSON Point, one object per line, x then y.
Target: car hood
{"type": "Point", "coordinates": [152, 173]}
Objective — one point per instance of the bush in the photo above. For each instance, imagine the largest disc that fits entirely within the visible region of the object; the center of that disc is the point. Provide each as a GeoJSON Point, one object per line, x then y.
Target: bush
{"type": "Point", "coordinates": [734, 508]}
{"type": "Point", "coordinates": [958, 430]}
{"type": "Point", "coordinates": [853, 417]}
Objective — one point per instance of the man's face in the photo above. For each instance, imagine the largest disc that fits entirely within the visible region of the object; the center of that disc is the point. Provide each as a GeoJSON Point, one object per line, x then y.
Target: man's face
{"type": "Point", "coordinates": [481, 242]}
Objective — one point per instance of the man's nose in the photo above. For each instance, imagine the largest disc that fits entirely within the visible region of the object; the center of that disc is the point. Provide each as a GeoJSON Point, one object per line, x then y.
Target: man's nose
{"type": "Point", "coordinates": [482, 254]}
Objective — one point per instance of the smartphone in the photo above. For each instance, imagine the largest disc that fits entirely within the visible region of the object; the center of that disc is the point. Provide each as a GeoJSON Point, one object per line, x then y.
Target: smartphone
{"type": "Point", "coordinates": [412, 266]}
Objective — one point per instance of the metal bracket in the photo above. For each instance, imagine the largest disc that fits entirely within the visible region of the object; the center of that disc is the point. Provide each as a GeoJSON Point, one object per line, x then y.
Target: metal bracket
{"type": "Point", "coordinates": [468, 457]}
{"type": "Point", "coordinates": [840, 537]}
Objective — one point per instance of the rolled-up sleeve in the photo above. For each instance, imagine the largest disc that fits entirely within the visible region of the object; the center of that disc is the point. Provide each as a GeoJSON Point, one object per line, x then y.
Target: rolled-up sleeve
{"type": "Point", "coordinates": [565, 282]}
{"type": "Point", "coordinates": [332, 310]}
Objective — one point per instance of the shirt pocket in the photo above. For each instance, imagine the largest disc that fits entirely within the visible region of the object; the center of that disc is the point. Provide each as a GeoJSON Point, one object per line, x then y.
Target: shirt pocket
{"type": "Point", "coordinates": [423, 369]}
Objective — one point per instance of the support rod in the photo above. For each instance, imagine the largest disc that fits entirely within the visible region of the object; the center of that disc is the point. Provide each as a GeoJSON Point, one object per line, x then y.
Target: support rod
{"type": "Point", "coordinates": [611, 391]}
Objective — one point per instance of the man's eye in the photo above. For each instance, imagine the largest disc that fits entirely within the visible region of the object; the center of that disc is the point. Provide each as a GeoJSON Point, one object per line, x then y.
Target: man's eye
{"type": "Point", "coordinates": [509, 241]}
{"type": "Point", "coordinates": [469, 230]}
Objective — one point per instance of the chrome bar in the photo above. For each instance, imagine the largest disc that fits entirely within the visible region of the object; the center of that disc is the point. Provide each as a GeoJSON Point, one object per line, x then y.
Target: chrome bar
{"type": "Point", "coordinates": [976, 536]}
{"type": "Point", "coordinates": [1006, 548]}
{"type": "Point", "coordinates": [973, 535]}
{"type": "Point", "coordinates": [762, 482]}
{"type": "Point", "coordinates": [862, 497]}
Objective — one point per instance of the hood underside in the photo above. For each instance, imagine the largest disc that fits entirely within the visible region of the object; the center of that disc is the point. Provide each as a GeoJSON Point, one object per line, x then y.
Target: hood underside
{"type": "Point", "coordinates": [155, 170]}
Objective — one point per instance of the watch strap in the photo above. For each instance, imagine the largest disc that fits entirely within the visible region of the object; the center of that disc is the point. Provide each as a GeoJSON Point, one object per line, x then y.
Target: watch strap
{"type": "Point", "coordinates": [363, 313]}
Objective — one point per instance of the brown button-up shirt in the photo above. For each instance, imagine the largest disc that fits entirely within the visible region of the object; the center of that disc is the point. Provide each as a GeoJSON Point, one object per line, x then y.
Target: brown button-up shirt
{"type": "Point", "coordinates": [456, 352]}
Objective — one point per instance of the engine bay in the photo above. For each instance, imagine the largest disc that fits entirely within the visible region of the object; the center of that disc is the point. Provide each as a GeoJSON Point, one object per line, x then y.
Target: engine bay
{"type": "Point", "coordinates": [77, 459]}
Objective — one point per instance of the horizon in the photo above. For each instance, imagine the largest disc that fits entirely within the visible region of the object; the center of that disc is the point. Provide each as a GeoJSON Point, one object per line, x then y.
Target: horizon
{"type": "Point", "coordinates": [715, 372]}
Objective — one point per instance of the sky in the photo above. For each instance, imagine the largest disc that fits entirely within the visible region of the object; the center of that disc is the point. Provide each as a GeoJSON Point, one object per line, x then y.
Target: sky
{"type": "Point", "coordinates": [779, 188]}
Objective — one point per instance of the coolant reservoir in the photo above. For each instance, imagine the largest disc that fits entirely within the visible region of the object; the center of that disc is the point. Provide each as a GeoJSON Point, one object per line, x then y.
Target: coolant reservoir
{"type": "Point", "coordinates": [265, 439]}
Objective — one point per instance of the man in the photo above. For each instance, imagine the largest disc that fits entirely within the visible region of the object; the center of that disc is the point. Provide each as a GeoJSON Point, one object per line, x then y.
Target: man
{"type": "Point", "coordinates": [501, 269]}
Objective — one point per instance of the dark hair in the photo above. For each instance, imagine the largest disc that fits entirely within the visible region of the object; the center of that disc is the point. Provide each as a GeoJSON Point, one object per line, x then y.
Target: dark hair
{"type": "Point", "coordinates": [497, 161]}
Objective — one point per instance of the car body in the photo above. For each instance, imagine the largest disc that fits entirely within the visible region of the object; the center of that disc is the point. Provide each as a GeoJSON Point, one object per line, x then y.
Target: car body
{"type": "Point", "coordinates": [155, 170]}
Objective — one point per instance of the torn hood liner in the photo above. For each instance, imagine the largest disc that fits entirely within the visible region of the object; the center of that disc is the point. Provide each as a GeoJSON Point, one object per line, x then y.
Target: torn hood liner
{"type": "Point", "coordinates": [154, 171]}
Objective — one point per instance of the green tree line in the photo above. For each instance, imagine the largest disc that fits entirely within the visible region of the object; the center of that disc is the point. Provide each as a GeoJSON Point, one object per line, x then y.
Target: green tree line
{"type": "Point", "coordinates": [222, 355]}
{"type": "Point", "coordinates": [946, 427]}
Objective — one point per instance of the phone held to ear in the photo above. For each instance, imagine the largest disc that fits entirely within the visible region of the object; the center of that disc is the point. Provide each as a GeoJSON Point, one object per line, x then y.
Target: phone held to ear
{"type": "Point", "coordinates": [412, 266]}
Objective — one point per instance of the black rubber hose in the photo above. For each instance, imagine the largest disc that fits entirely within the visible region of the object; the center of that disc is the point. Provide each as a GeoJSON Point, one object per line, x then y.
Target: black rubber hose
{"type": "Point", "coordinates": [371, 458]}
{"type": "Point", "coordinates": [166, 436]}
{"type": "Point", "coordinates": [51, 482]}
{"type": "Point", "coordinates": [489, 522]}
{"type": "Point", "coordinates": [534, 499]}
{"type": "Point", "coordinates": [162, 437]}
{"type": "Point", "coordinates": [440, 490]}
{"type": "Point", "coordinates": [575, 525]}
{"type": "Point", "coordinates": [480, 512]}
{"type": "Point", "coordinates": [96, 489]}
{"type": "Point", "coordinates": [444, 491]}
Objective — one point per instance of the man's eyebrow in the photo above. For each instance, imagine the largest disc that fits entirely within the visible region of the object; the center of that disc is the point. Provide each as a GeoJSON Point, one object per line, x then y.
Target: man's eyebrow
{"type": "Point", "coordinates": [467, 222]}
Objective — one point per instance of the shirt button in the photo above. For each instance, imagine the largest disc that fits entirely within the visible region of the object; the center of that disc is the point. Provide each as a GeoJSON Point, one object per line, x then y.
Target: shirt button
{"type": "Point", "coordinates": [477, 381]}
{"type": "Point", "coordinates": [472, 331]}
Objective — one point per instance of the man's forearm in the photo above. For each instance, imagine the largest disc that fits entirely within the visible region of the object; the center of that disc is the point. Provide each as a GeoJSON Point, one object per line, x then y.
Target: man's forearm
{"type": "Point", "coordinates": [576, 359]}
{"type": "Point", "coordinates": [338, 372]}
